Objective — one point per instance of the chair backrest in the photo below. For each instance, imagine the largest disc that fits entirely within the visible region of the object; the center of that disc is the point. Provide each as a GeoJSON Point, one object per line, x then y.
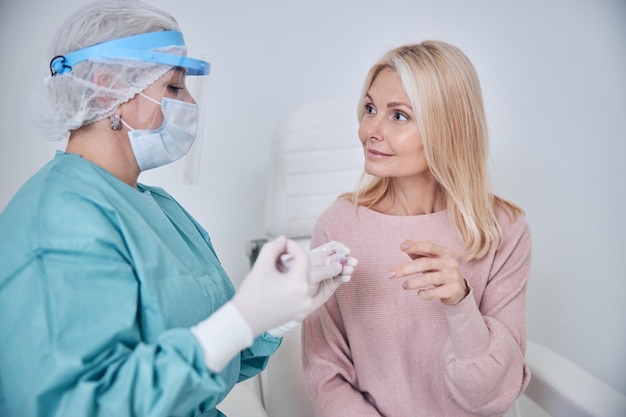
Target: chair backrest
{"type": "Point", "coordinates": [316, 156]}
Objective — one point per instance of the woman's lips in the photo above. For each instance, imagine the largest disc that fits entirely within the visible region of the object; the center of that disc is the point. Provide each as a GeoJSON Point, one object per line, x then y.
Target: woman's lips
{"type": "Point", "coordinates": [373, 153]}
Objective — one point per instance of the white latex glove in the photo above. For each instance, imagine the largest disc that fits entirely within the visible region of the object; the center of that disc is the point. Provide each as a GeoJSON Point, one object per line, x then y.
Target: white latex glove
{"type": "Point", "coordinates": [277, 289]}
{"type": "Point", "coordinates": [330, 266]}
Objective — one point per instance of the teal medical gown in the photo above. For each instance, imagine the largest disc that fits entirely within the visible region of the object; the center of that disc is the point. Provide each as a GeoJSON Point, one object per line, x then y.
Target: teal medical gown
{"type": "Point", "coordinates": [99, 284]}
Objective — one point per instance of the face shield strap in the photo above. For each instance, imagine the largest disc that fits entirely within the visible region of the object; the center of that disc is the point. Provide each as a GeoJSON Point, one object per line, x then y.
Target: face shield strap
{"type": "Point", "coordinates": [139, 48]}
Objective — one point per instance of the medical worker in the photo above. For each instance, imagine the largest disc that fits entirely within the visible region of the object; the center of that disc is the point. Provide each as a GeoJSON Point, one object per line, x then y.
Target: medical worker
{"type": "Point", "coordinates": [112, 299]}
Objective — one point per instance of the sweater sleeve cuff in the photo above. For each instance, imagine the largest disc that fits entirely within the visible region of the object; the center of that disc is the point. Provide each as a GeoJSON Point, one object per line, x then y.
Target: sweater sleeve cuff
{"type": "Point", "coordinates": [468, 331]}
{"type": "Point", "coordinates": [223, 335]}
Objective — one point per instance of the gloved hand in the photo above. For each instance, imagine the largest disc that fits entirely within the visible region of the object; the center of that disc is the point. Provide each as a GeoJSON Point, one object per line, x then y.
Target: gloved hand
{"type": "Point", "coordinates": [330, 266]}
{"type": "Point", "coordinates": [276, 290]}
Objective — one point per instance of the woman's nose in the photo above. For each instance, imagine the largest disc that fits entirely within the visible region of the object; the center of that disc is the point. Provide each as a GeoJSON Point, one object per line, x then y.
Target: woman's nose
{"type": "Point", "coordinates": [373, 130]}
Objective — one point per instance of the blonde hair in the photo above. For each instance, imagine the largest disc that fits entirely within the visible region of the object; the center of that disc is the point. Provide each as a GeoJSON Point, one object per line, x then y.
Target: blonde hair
{"type": "Point", "coordinates": [443, 88]}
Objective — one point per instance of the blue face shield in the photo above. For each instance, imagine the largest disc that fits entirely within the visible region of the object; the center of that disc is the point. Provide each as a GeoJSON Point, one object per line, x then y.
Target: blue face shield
{"type": "Point", "coordinates": [138, 47]}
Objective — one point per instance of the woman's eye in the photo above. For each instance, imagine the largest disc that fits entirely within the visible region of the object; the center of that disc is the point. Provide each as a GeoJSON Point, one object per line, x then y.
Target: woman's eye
{"type": "Point", "coordinates": [370, 109]}
{"type": "Point", "coordinates": [400, 117]}
{"type": "Point", "coordinates": [175, 89]}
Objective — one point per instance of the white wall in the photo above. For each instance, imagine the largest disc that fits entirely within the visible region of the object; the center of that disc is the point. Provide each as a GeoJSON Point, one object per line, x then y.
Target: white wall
{"type": "Point", "coordinates": [553, 74]}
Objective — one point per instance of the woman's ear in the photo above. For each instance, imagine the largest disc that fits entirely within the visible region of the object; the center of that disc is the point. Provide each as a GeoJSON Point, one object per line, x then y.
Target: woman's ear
{"type": "Point", "coordinates": [105, 79]}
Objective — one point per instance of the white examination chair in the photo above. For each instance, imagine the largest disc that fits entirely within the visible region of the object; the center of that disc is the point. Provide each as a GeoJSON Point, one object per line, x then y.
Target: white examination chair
{"type": "Point", "coordinates": [316, 156]}
{"type": "Point", "coordinates": [564, 389]}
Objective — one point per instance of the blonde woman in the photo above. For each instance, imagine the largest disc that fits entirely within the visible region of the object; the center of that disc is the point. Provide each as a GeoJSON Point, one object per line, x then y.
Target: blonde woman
{"type": "Point", "coordinates": [433, 321]}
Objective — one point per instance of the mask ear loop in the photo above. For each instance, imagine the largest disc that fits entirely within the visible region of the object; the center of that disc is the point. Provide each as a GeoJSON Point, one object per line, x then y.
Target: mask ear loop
{"type": "Point", "coordinates": [159, 107]}
{"type": "Point", "coordinates": [117, 121]}
{"type": "Point", "coordinates": [158, 103]}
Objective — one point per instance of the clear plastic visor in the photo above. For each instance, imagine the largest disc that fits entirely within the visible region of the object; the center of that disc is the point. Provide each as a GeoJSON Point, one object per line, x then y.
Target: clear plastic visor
{"type": "Point", "coordinates": [187, 168]}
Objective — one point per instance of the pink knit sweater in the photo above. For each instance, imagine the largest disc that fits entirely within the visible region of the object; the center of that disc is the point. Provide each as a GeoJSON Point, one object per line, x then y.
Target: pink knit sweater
{"type": "Point", "coordinates": [376, 349]}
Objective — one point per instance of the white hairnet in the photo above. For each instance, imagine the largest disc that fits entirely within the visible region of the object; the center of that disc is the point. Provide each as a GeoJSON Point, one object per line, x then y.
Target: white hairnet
{"type": "Point", "coordinates": [93, 90]}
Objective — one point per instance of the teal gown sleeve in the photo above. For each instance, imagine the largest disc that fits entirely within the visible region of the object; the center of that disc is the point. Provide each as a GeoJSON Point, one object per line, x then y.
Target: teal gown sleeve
{"type": "Point", "coordinates": [255, 358]}
{"type": "Point", "coordinates": [95, 310]}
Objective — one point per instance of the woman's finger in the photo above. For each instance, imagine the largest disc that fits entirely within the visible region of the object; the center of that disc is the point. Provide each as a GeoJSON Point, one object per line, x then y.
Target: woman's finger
{"type": "Point", "coordinates": [417, 266]}
{"type": "Point", "coordinates": [422, 248]}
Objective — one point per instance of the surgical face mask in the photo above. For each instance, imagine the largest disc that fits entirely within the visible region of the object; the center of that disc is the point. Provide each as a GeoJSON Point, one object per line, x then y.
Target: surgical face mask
{"type": "Point", "coordinates": [171, 141]}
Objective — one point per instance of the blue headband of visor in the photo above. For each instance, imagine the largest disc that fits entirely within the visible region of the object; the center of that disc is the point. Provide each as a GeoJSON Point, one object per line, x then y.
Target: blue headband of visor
{"type": "Point", "coordinates": [138, 48]}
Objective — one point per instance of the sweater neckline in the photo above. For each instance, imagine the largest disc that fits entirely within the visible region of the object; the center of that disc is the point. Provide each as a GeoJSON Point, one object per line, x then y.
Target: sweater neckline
{"type": "Point", "coordinates": [437, 216]}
